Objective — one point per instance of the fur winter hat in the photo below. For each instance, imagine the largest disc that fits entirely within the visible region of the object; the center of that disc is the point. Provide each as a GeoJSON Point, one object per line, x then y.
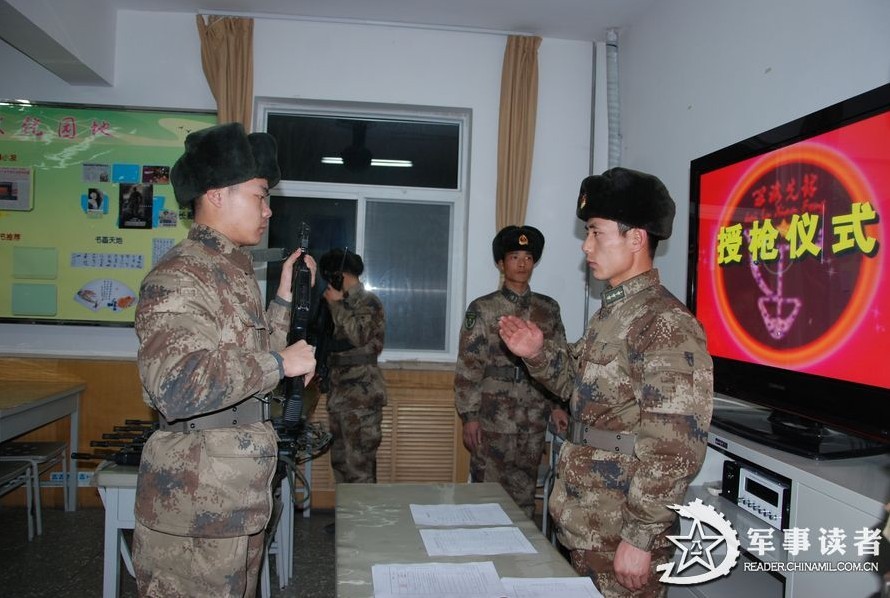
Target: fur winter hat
{"type": "Point", "coordinates": [334, 261]}
{"type": "Point", "coordinates": [518, 238]}
{"type": "Point", "coordinates": [222, 156]}
{"type": "Point", "coordinates": [630, 197]}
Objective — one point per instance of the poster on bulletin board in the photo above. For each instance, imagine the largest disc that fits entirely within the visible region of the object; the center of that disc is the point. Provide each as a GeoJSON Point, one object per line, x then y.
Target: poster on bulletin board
{"type": "Point", "coordinates": [86, 207]}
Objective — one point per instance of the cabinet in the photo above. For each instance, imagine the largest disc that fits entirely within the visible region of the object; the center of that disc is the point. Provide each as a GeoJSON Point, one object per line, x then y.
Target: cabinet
{"type": "Point", "coordinates": [848, 494]}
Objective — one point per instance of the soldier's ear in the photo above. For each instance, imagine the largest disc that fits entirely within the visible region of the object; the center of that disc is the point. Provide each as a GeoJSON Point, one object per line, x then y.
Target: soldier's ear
{"type": "Point", "coordinates": [638, 238]}
{"type": "Point", "coordinates": [214, 197]}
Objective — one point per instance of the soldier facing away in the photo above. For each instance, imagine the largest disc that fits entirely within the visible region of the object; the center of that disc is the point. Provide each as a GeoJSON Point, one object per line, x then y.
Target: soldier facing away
{"type": "Point", "coordinates": [641, 386]}
{"type": "Point", "coordinates": [504, 411]}
{"type": "Point", "coordinates": [357, 392]}
{"type": "Point", "coordinates": [208, 354]}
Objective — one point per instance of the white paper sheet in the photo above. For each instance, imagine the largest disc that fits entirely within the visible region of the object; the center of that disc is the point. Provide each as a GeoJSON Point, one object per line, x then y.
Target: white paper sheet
{"type": "Point", "coordinates": [547, 587]}
{"type": "Point", "coordinates": [437, 580]}
{"type": "Point", "coordinates": [467, 514]}
{"type": "Point", "coordinates": [472, 541]}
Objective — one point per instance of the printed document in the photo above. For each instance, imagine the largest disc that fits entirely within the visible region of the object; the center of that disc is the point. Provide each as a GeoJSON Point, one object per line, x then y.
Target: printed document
{"type": "Point", "coordinates": [472, 541]}
{"type": "Point", "coordinates": [468, 514]}
{"type": "Point", "coordinates": [437, 580]}
{"type": "Point", "coordinates": [547, 587]}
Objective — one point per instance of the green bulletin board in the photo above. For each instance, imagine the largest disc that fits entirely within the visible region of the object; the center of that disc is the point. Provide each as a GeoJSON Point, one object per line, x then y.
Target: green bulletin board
{"type": "Point", "coordinates": [86, 207]}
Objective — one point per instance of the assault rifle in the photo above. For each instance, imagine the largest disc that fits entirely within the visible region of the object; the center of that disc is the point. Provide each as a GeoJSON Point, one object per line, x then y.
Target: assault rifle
{"type": "Point", "coordinates": [123, 446]}
{"type": "Point", "coordinates": [301, 287]}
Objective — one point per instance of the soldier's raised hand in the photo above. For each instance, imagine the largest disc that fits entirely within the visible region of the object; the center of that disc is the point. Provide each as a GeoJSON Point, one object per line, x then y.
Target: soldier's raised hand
{"type": "Point", "coordinates": [522, 337]}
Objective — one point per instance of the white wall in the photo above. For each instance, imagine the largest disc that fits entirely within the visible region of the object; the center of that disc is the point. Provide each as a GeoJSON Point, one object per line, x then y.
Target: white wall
{"type": "Point", "coordinates": [698, 75]}
{"type": "Point", "coordinates": [158, 64]}
{"type": "Point", "coordinates": [695, 76]}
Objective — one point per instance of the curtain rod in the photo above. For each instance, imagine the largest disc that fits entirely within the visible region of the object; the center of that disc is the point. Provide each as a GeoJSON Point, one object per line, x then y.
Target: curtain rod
{"type": "Point", "coordinates": [348, 21]}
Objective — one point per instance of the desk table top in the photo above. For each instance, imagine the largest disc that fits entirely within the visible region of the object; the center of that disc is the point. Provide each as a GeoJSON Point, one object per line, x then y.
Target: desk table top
{"type": "Point", "coordinates": [374, 525]}
{"type": "Point", "coordinates": [16, 395]}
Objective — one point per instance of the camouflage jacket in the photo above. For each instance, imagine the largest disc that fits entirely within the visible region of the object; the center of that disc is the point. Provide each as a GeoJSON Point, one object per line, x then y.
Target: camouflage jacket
{"type": "Point", "coordinates": [205, 344]}
{"type": "Point", "coordinates": [358, 321]}
{"type": "Point", "coordinates": [642, 367]}
{"type": "Point", "coordinates": [499, 404]}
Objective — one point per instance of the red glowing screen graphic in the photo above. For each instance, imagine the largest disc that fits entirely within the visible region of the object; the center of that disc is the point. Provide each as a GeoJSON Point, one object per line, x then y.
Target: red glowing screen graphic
{"type": "Point", "coordinates": [791, 267]}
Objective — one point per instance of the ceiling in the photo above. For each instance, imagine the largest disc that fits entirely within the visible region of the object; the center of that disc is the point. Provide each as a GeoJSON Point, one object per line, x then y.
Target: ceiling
{"type": "Point", "coordinates": [565, 19]}
{"type": "Point", "coordinates": [45, 31]}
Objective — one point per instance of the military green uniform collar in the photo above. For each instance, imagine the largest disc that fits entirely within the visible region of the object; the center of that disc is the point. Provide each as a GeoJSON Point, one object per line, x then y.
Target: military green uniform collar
{"type": "Point", "coordinates": [514, 297]}
{"type": "Point", "coordinates": [612, 295]}
{"type": "Point", "coordinates": [218, 242]}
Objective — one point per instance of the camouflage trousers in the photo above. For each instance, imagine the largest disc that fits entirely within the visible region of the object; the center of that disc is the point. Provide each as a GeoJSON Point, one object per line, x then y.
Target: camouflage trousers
{"type": "Point", "coordinates": [356, 436]}
{"type": "Point", "coordinates": [598, 566]}
{"type": "Point", "coordinates": [182, 566]}
{"type": "Point", "coordinates": [511, 460]}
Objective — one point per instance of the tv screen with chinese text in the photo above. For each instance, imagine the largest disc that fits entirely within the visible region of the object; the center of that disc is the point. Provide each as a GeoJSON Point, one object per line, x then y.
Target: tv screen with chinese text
{"type": "Point", "coordinates": [788, 265]}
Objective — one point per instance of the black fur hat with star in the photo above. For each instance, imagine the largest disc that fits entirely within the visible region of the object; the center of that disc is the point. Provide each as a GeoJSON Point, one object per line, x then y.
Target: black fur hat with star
{"type": "Point", "coordinates": [630, 197]}
{"type": "Point", "coordinates": [518, 238]}
{"type": "Point", "coordinates": [222, 156]}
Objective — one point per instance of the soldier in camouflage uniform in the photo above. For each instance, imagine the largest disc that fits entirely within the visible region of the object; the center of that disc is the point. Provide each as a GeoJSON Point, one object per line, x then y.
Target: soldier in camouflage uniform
{"type": "Point", "coordinates": [641, 386]}
{"type": "Point", "coordinates": [208, 353]}
{"type": "Point", "coordinates": [357, 391]}
{"type": "Point", "coordinates": [504, 411]}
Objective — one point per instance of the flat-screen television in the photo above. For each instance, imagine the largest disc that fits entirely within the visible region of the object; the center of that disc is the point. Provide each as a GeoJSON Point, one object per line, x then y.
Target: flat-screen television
{"type": "Point", "coordinates": [788, 273]}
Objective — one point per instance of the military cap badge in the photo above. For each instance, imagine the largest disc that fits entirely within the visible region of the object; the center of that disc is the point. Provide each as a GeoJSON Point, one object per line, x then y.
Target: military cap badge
{"type": "Point", "coordinates": [517, 238]}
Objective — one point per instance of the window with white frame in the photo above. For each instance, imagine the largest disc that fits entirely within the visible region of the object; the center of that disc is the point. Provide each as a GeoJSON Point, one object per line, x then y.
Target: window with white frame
{"type": "Point", "coordinates": [388, 182]}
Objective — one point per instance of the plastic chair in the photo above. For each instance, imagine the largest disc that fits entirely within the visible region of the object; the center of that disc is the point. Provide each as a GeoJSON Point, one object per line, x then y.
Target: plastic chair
{"type": "Point", "coordinates": [41, 456]}
{"type": "Point", "coordinates": [14, 474]}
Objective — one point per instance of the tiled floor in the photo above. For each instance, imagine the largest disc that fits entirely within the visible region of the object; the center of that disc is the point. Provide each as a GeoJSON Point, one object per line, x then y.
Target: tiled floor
{"type": "Point", "coordinates": [66, 561]}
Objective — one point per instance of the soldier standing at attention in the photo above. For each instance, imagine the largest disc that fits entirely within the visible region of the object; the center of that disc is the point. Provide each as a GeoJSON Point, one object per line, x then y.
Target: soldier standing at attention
{"type": "Point", "coordinates": [357, 391]}
{"type": "Point", "coordinates": [641, 386]}
{"type": "Point", "coordinates": [504, 411]}
{"type": "Point", "coordinates": [208, 354]}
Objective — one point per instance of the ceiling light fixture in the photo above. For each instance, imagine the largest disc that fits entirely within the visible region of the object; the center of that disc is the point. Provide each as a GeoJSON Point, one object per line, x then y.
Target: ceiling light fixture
{"type": "Point", "coordinates": [374, 162]}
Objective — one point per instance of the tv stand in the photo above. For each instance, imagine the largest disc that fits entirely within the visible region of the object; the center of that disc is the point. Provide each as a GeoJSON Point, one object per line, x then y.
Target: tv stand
{"type": "Point", "coordinates": [849, 494]}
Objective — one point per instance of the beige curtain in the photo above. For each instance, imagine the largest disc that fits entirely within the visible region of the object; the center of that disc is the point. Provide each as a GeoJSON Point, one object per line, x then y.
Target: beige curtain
{"type": "Point", "coordinates": [516, 128]}
{"type": "Point", "coordinates": [227, 58]}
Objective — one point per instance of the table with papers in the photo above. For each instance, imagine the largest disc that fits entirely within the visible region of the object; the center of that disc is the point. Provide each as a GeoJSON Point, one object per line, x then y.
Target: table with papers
{"type": "Point", "coordinates": [443, 540]}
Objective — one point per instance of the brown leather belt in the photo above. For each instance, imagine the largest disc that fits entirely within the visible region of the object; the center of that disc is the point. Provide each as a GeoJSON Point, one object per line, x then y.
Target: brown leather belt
{"type": "Point", "coordinates": [509, 373]}
{"type": "Point", "coordinates": [247, 412]}
{"type": "Point", "coordinates": [356, 359]}
{"type": "Point", "coordinates": [607, 440]}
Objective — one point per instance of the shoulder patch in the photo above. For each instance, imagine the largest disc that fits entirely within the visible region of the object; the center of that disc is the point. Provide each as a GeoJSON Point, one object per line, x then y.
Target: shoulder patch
{"type": "Point", "coordinates": [470, 320]}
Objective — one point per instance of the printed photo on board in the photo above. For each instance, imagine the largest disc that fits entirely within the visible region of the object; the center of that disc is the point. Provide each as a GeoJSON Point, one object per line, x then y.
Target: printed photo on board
{"type": "Point", "coordinates": [136, 203]}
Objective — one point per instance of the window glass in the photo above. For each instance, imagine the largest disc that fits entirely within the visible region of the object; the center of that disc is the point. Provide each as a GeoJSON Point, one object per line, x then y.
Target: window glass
{"type": "Point", "coordinates": [366, 151]}
{"type": "Point", "coordinates": [407, 223]}
{"type": "Point", "coordinates": [406, 266]}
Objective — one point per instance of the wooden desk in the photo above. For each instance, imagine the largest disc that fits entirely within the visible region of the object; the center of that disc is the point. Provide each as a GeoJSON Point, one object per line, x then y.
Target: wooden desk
{"type": "Point", "coordinates": [375, 526]}
{"type": "Point", "coordinates": [26, 405]}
